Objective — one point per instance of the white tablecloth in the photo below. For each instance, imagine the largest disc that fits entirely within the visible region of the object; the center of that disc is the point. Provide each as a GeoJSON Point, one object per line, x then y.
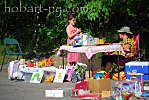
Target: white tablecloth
{"type": "Point", "coordinates": [91, 50]}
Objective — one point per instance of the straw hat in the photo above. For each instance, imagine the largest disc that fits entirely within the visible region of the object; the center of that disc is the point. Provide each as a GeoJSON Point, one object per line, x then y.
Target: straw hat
{"type": "Point", "coordinates": [125, 29]}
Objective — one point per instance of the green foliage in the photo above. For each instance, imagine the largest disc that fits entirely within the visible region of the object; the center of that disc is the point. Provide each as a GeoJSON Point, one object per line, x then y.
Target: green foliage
{"type": "Point", "coordinates": [2, 49]}
{"type": "Point", "coordinates": [99, 55]}
{"type": "Point", "coordinates": [80, 68]}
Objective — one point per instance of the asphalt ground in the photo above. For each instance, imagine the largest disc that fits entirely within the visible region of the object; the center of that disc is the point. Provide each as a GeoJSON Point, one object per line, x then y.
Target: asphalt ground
{"type": "Point", "coordinates": [21, 90]}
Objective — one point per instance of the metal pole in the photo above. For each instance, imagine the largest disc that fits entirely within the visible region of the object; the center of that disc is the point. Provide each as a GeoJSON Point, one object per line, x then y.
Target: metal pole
{"type": "Point", "coordinates": [63, 58]}
{"type": "Point", "coordinates": [139, 46]}
{"type": "Point", "coordinates": [118, 65]}
{"type": "Point", "coordinates": [89, 67]}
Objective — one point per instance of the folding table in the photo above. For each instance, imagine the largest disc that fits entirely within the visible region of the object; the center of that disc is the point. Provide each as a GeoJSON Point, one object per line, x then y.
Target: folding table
{"type": "Point", "coordinates": [90, 51]}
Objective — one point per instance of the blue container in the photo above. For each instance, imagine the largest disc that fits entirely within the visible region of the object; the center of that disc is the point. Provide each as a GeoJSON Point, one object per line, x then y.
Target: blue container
{"type": "Point", "coordinates": [138, 67]}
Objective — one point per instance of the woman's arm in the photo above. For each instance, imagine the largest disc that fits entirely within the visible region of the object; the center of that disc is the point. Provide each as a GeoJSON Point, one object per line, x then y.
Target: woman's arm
{"type": "Point", "coordinates": [68, 30]}
{"type": "Point", "coordinates": [114, 53]}
{"type": "Point", "coordinates": [127, 47]}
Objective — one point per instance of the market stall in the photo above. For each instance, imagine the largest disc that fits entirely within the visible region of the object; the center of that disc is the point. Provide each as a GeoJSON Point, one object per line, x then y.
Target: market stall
{"type": "Point", "coordinates": [90, 50]}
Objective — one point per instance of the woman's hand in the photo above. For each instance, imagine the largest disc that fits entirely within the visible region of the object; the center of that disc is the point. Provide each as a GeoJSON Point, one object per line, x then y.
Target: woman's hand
{"type": "Point", "coordinates": [114, 53]}
{"type": "Point", "coordinates": [78, 31]}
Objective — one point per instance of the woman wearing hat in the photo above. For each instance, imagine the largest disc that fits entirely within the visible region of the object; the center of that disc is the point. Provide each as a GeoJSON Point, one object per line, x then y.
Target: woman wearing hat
{"type": "Point", "coordinates": [127, 55]}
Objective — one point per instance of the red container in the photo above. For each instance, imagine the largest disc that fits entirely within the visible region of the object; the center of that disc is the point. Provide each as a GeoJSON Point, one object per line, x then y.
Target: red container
{"type": "Point", "coordinates": [91, 96]}
{"type": "Point", "coordinates": [81, 85]}
{"type": "Point", "coordinates": [30, 65]}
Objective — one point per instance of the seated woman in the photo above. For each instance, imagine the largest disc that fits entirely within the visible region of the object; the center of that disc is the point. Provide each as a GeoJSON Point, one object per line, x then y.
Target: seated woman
{"type": "Point", "coordinates": [124, 57]}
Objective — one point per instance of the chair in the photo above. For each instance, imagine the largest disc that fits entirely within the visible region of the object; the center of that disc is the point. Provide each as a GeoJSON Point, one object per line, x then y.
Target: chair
{"type": "Point", "coordinates": [11, 47]}
{"type": "Point", "coordinates": [137, 48]}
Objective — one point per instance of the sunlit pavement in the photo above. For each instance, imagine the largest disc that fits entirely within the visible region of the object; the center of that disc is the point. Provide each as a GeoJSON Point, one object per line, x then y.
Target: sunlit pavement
{"type": "Point", "coordinates": [21, 90]}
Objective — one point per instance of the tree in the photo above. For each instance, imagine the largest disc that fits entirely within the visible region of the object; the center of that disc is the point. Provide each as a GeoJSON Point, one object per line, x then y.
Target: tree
{"type": "Point", "coordinates": [40, 28]}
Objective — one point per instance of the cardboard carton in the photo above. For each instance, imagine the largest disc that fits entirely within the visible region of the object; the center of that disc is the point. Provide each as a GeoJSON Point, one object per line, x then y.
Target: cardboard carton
{"type": "Point", "coordinates": [97, 86]}
{"type": "Point", "coordinates": [105, 94]}
{"type": "Point", "coordinates": [87, 75]}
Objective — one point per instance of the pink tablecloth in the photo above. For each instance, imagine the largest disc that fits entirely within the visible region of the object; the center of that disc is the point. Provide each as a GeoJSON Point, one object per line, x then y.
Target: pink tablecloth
{"type": "Point", "coordinates": [91, 50]}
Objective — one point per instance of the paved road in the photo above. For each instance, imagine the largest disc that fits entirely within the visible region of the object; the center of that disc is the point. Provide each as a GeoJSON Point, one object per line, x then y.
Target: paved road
{"type": "Point", "coordinates": [21, 90]}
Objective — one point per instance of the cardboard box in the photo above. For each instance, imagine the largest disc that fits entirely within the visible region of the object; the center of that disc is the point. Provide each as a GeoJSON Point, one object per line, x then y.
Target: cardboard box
{"type": "Point", "coordinates": [98, 86]}
{"type": "Point", "coordinates": [106, 94]}
{"type": "Point", "coordinates": [87, 75]}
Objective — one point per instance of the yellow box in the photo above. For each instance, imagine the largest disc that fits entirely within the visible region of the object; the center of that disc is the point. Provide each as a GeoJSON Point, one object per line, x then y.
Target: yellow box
{"type": "Point", "coordinates": [101, 41]}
